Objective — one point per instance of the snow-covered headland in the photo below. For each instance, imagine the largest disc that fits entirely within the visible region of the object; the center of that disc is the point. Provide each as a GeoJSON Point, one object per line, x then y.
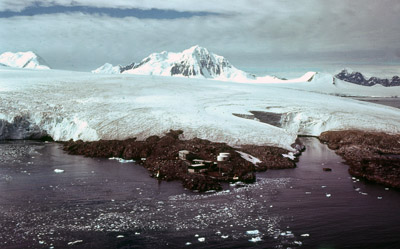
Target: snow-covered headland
{"type": "Point", "coordinates": [71, 105]}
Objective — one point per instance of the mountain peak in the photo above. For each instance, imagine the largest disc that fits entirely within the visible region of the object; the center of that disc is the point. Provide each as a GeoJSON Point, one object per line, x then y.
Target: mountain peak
{"type": "Point", "coordinates": [23, 60]}
{"type": "Point", "coordinates": [195, 49]}
{"type": "Point", "coordinates": [194, 62]}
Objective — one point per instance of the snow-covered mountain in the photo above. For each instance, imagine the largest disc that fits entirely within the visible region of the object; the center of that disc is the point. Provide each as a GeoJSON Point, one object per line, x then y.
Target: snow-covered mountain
{"type": "Point", "coordinates": [195, 62]}
{"type": "Point", "coordinates": [23, 60]}
{"type": "Point", "coordinates": [108, 68]}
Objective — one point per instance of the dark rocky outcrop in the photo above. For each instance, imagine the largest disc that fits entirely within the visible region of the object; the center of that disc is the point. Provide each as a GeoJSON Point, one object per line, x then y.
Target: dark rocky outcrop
{"type": "Point", "coordinates": [374, 156]}
{"type": "Point", "coordinates": [358, 78]}
{"type": "Point", "coordinates": [161, 158]}
{"type": "Point", "coordinates": [127, 67]}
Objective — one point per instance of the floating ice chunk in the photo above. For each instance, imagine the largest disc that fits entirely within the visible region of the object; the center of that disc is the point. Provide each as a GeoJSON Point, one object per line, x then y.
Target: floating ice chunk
{"type": "Point", "coordinates": [75, 242]}
{"type": "Point", "coordinates": [255, 239]}
{"type": "Point", "coordinates": [120, 236]}
{"type": "Point", "coordinates": [328, 195]}
{"type": "Point", "coordinates": [218, 233]}
{"type": "Point", "coordinates": [379, 197]}
{"type": "Point", "coordinates": [298, 242]}
{"type": "Point", "coordinates": [323, 186]}
{"type": "Point", "coordinates": [305, 235]}
{"type": "Point", "coordinates": [202, 239]}
{"type": "Point", "coordinates": [386, 189]}
{"type": "Point", "coordinates": [59, 171]}
{"type": "Point", "coordinates": [289, 155]}
{"type": "Point", "coordinates": [224, 236]}
{"type": "Point", "coordinates": [121, 160]}
{"type": "Point", "coordinates": [252, 232]}
{"type": "Point", "coordinates": [188, 243]}
{"type": "Point", "coordinates": [308, 193]}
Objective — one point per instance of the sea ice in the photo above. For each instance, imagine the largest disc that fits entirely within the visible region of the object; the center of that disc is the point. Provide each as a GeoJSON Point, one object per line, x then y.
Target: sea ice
{"type": "Point", "coordinates": [59, 171]}
{"type": "Point", "coordinates": [255, 239]}
{"type": "Point", "coordinates": [252, 232]}
{"type": "Point", "coordinates": [75, 242]}
{"type": "Point", "coordinates": [121, 160]}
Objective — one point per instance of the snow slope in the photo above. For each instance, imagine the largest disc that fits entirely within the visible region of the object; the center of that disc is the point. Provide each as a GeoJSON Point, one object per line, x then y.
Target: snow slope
{"type": "Point", "coordinates": [108, 68]}
{"type": "Point", "coordinates": [72, 105]}
{"type": "Point", "coordinates": [23, 60]}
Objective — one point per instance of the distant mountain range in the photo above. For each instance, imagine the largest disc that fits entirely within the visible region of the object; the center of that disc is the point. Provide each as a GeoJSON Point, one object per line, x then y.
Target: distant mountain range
{"type": "Point", "coordinates": [23, 60]}
{"type": "Point", "coordinates": [358, 78]}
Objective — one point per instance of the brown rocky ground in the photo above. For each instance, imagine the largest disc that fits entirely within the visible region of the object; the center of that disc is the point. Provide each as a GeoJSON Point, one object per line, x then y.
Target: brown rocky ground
{"type": "Point", "coordinates": [374, 156]}
{"type": "Point", "coordinates": [160, 156]}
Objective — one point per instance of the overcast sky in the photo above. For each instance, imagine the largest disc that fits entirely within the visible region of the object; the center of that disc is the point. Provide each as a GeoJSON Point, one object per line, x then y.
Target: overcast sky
{"type": "Point", "coordinates": [84, 34]}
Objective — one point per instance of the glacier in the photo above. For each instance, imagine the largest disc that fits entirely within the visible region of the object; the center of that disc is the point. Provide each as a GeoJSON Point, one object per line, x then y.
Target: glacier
{"type": "Point", "coordinates": [75, 105]}
{"type": "Point", "coordinates": [23, 60]}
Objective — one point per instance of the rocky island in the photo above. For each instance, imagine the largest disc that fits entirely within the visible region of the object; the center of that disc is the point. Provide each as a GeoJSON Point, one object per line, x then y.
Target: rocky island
{"type": "Point", "coordinates": [374, 156]}
{"type": "Point", "coordinates": [160, 155]}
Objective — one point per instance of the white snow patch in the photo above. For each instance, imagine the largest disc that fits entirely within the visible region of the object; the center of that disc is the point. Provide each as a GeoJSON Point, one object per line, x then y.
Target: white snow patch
{"type": "Point", "coordinates": [290, 155]}
{"type": "Point", "coordinates": [248, 157]}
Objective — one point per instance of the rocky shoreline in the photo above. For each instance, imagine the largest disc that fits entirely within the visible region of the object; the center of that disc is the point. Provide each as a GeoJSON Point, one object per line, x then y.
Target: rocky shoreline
{"type": "Point", "coordinates": [160, 155]}
{"type": "Point", "coordinates": [374, 156]}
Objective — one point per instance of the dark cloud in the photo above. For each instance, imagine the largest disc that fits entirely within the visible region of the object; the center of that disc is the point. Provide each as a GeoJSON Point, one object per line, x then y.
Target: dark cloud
{"type": "Point", "coordinates": [246, 32]}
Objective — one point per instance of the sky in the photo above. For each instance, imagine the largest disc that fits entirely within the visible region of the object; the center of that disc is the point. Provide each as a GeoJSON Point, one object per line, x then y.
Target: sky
{"type": "Point", "coordinates": [252, 34]}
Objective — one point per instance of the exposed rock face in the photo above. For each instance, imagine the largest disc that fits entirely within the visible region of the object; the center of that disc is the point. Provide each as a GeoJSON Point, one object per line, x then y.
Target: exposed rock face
{"type": "Point", "coordinates": [127, 67]}
{"type": "Point", "coordinates": [371, 155]}
{"type": "Point", "coordinates": [162, 159]}
{"type": "Point", "coordinates": [358, 78]}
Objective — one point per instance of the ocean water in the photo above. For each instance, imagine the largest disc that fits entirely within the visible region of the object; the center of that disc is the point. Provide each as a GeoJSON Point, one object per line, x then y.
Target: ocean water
{"type": "Point", "coordinates": [101, 203]}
